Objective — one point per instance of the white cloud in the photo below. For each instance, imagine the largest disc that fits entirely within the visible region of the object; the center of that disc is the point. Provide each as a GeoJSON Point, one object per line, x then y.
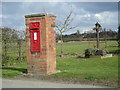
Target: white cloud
{"type": "Point", "coordinates": [81, 29]}
{"type": "Point", "coordinates": [85, 19]}
{"type": "Point", "coordinates": [3, 16]}
{"type": "Point", "coordinates": [0, 16]}
{"type": "Point", "coordinates": [86, 29]}
{"type": "Point", "coordinates": [108, 18]}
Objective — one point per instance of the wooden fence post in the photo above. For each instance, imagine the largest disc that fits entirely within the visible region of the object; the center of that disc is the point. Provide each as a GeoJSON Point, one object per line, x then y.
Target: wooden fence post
{"type": "Point", "coordinates": [19, 50]}
{"type": "Point", "coordinates": [5, 47]}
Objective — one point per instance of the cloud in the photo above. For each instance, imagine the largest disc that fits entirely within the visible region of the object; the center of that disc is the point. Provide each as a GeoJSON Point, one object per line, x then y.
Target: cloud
{"type": "Point", "coordinates": [85, 14]}
{"type": "Point", "coordinates": [107, 17]}
{"type": "Point", "coordinates": [3, 16]}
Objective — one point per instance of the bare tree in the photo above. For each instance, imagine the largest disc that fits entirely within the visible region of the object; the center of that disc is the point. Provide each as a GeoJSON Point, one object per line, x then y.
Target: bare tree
{"type": "Point", "coordinates": [64, 26]}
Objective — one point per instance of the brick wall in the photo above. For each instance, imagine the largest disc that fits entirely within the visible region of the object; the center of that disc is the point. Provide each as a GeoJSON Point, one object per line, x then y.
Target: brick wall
{"type": "Point", "coordinates": [43, 62]}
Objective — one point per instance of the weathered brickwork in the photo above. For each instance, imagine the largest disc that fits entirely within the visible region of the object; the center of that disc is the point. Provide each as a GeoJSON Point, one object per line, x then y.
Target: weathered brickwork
{"type": "Point", "coordinates": [43, 62]}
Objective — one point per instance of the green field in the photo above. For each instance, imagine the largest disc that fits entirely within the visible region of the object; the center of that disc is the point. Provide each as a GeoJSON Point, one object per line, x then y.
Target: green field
{"type": "Point", "coordinates": [73, 48]}
{"type": "Point", "coordinates": [102, 71]}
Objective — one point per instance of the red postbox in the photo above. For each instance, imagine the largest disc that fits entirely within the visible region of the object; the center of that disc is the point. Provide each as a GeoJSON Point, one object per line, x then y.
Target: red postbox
{"type": "Point", "coordinates": [35, 37]}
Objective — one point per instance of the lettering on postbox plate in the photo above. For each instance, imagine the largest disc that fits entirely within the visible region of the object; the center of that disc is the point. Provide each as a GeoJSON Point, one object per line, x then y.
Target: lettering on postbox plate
{"type": "Point", "coordinates": [35, 37]}
{"type": "Point", "coordinates": [34, 25]}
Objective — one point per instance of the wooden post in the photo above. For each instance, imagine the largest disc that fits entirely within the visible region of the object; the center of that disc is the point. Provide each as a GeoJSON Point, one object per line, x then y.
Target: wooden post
{"type": "Point", "coordinates": [5, 47]}
{"type": "Point", "coordinates": [61, 46]}
{"type": "Point", "coordinates": [19, 50]}
{"type": "Point", "coordinates": [97, 28]}
{"type": "Point", "coordinates": [105, 38]}
{"type": "Point", "coordinates": [97, 38]}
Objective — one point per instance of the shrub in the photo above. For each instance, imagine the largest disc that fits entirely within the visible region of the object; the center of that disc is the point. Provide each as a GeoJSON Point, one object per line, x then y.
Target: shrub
{"type": "Point", "coordinates": [88, 52]}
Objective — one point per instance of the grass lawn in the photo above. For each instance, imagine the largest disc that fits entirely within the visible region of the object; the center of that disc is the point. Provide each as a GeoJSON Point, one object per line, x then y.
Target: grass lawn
{"type": "Point", "coordinates": [14, 70]}
{"type": "Point", "coordinates": [92, 69]}
{"type": "Point", "coordinates": [87, 69]}
{"type": "Point", "coordinates": [104, 71]}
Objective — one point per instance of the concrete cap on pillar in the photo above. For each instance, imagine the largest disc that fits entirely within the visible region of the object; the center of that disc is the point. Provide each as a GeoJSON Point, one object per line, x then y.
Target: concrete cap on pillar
{"type": "Point", "coordinates": [40, 15]}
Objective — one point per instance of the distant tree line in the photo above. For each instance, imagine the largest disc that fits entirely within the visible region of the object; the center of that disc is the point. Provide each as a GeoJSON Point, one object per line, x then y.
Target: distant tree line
{"type": "Point", "coordinates": [9, 34]}
{"type": "Point", "coordinates": [109, 34]}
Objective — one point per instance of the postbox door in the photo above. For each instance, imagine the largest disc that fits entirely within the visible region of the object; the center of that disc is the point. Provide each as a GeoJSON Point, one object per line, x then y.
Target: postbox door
{"type": "Point", "coordinates": [35, 37]}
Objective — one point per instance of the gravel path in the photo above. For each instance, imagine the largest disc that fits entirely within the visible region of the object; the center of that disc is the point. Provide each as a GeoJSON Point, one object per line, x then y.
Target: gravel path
{"type": "Point", "coordinates": [9, 83]}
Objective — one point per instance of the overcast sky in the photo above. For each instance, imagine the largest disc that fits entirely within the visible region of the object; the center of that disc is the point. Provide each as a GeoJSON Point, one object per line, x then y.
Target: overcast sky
{"type": "Point", "coordinates": [86, 14]}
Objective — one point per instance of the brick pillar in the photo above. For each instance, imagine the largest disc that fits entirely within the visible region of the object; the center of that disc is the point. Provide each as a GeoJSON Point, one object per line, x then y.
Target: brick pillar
{"type": "Point", "coordinates": [43, 61]}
